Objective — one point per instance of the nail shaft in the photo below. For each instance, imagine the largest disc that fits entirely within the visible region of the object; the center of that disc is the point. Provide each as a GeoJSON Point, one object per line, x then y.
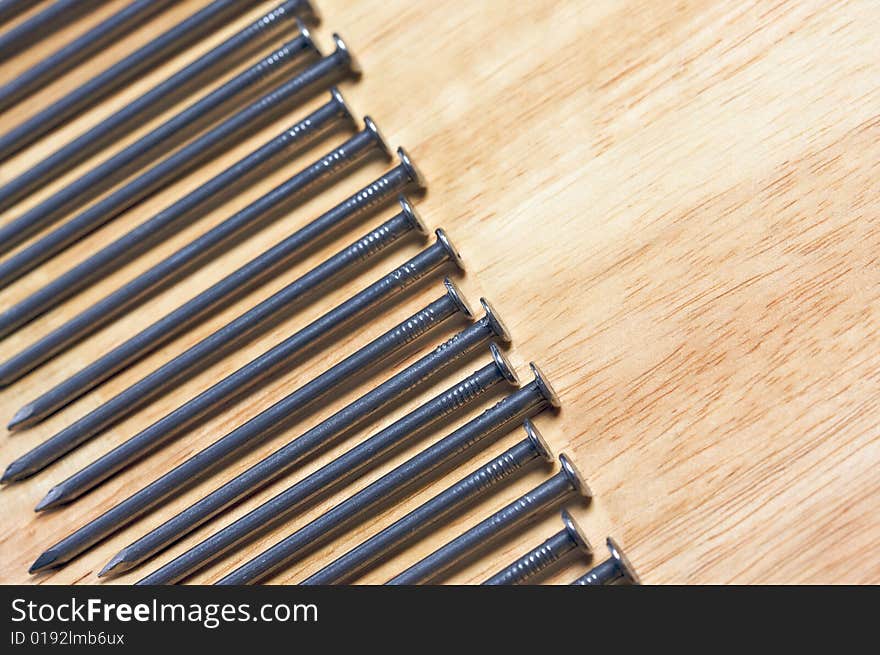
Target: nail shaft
{"type": "Point", "coordinates": [553, 491]}
{"type": "Point", "coordinates": [329, 430]}
{"type": "Point", "coordinates": [616, 569]}
{"type": "Point", "coordinates": [405, 478]}
{"type": "Point", "coordinates": [545, 555]}
{"type": "Point", "coordinates": [36, 28]}
{"type": "Point", "coordinates": [342, 470]}
{"type": "Point", "coordinates": [340, 161]}
{"type": "Point", "coordinates": [10, 9]}
{"type": "Point", "coordinates": [242, 329]}
{"type": "Point", "coordinates": [80, 49]}
{"type": "Point", "coordinates": [176, 165]}
{"type": "Point", "coordinates": [315, 126]}
{"type": "Point", "coordinates": [219, 396]}
{"type": "Point", "coordinates": [207, 460]}
{"type": "Point", "coordinates": [162, 48]}
{"type": "Point", "coordinates": [425, 517]}
{"type": "Point", "coordinates": [357, 206]}
{"type": "Point", "coordinates": [235, 50]}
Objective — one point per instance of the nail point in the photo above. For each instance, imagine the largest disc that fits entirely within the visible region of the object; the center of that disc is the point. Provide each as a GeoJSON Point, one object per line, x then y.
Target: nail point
{"type": "Point", "coordinates": [44, 561]}
{"type": "Point", "coordinates": [23, 419]}
{"type": "Point", "coordinates": [54, 498]}
{"type": "Point", "coordinates": [116, 566]}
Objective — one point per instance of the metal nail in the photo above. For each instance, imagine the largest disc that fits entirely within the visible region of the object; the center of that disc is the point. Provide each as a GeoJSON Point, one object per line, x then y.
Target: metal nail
{"type": "Point", "coordinates": [330, 168]}
{"type": "Point", "coordinates": [316, 125]}
{"type": "Point", "coordinates": [557, 489]}
{"type": "Point", "coordinates": [542, 557]}
{"type": "Point", "coordinates": [426, 516]}
{"type": "Point", "coordinates": [79, 50]}
{"type": "Point", "coordinates": [405, 478]}
{"type": "Point", "coordinates": [243, 280]}
{"type": "Point", "coordinates": [616, 569]}
{"type": "Point", "coordinates": [181, 162]}
{"type": "Point", "coordinates": [379, 294]}
{"type": "Point", "coordinates": [194, 468]}
{"type": "Point", "coordinates": [235, 50]}
{"type": "Point", "coordinates": [349, 466]}
{"type": "Point", "coordinates": [286, 458]}
{"type": "Point", "coordinates": [165, 46]}
{"type": "Point", "coordinates": [234, 334]}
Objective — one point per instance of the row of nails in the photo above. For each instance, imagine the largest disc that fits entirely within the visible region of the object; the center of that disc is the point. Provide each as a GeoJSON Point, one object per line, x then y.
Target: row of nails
{"type": "Point", "coordinates": [295, 53]}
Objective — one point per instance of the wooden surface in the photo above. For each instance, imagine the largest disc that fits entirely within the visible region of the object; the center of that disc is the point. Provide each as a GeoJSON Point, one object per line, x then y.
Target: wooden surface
{"type": "Point", "coordinates": [673, 205]}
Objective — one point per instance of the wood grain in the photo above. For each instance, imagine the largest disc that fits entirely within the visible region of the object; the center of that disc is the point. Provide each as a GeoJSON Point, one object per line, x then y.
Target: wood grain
{"type": "Point", "coordinates": [675, 208]}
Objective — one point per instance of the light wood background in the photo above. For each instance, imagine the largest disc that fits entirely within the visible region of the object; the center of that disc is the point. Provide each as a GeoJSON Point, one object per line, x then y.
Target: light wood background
{"type": "Point", "coordinates": [673, 205]}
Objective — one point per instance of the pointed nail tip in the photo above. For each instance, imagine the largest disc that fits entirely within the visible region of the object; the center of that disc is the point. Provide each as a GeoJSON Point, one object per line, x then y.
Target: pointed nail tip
{"type": "Point", "coordinates": [55, 498]}
{"type": "Point", "coordinates": [43, 562]}
{"type": "Point", "coordinates": [22, 419]}
{"type": "Point", "coordinates": [8, 475]}
{"type": "Point", "coordinates": [115, 566]}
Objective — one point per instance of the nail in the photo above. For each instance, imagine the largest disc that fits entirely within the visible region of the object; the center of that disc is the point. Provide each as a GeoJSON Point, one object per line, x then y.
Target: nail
{"type": "Point", "coordinates": [226, 134]}
{"type": "Point", "coordinates": [378, 295]}
{"type": "Point", "coordinates": [237, 284]}
{"type": "Point", "coordinates": [615, 569]}
{"type": "Point", "coordinates": [346, 468]}
{"type": "Point", "coordinates": [79, 50]}
{"type": "Point", "coordinates": [330, 168]}
{"type": "Point", "coordinates": [559, 488]}
{"type": "Point", "coordinates": [421, 520]}
{"type": "Point", "coordinates": [39, 26]}
{"type": "Point", "coordinates": [195, 467]}
{"type": "Point", "coordinates": [406, 478]}
{"type": "Point", "coordinates": [542, 557]}
{"type": "Point", "coordinates": [165, 46]}
{"type": "Point", "coordinates": [241, 330]}
{"type": "Point", "coordinates": [232, 52]}
{"type": "Point", "coordinates": [112, 257]}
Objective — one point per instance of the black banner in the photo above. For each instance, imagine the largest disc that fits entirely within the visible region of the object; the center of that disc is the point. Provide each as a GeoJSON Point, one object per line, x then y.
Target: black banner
{"type": "Point", "coordinates": [243, 618]}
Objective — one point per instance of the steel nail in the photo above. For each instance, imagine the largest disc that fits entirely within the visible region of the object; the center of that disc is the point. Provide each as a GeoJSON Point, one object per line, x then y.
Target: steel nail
{"type": "Point", "coordinates": [165, 46]}
{"type": "Point", "coordinates": [405, 478]}
{"type": "Point", "coordinates": [426, 516]}
{"type": "Point", "coordinates": [179, 163]}
{"type": "Point", "coordinates": [379, 294]}
{"type": "Point", "coordinates": [303, 133]}
{"type": "Point", "coordinates": [234, 334]}
{"type": "Point", "coordinates": [191, 470]}
{"type": "Point", "coordinates": [283, 460]}
{"type": "Point", "coordinates": [79, 50]}
{"type": "Point", "coordinates": [559, 488]}
{"type": "Point", "coordinates": [241, 281]}
{"type": "Point", "coordinates": [233, 51]}
{"type": "Point", "coordinates": [614, 570]}
{"type": "Point", "coordinates": [344, 469]}
{"type": "Point", "coordinates": [543, 556]}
